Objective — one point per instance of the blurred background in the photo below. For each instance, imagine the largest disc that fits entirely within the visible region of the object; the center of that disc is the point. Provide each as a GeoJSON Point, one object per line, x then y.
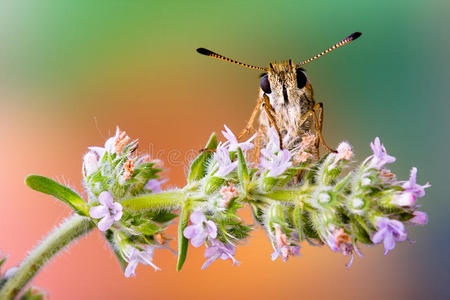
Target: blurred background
{"type": "Point", "coordinates": [71, 72]}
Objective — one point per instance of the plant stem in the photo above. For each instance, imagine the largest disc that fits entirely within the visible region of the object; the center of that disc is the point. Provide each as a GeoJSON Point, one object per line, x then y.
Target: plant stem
{"type": "Point", "coordinates": [70, 229]}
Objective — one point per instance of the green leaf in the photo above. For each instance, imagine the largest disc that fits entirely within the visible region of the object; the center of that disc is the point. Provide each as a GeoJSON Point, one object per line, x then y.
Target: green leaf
{"type": "Point", "coordinates": [182, 241]}
{"type": "Point", "coordinates": [242, 171]}
{"type": "Point", "coordinates": [50, 187]}
{"type": "Point", "coordinates": [198, 167]}
{"type": "Point", "coordinates": [161, 216]}
{"type": "Point", "coordinates": [162, 200]}
{"type": "Point", "coordinates": [148, 228]}
{"type": "Point", "coordinates": [109, 236]}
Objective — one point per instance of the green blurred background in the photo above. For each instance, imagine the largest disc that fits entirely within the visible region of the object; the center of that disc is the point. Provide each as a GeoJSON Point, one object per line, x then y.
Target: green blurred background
{"type": "Point", "coordinates": [71, 71]}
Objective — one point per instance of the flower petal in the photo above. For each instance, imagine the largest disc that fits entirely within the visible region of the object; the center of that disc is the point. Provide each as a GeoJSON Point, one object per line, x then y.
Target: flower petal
{"type": "Point", "coordinates": [212, 229]}
{"type": "Point", "coordinates": [389, 242]}
{"type": "Point", "coordinates": [98, 212]}
{"type": "Point", "coordinates": [379, 235]}
{"type": "Point", "coordinates": [130, 270]}
{"type": "Point", "coordinates": [198, 239]}
{"type": "Point", "coordinates": [105, 223]}
{"type": "Point", "coordinates": [106, 198]}
{"type": "Point", "coordinates": [197, 217]}
{"type": "Point", "coordinates": [190, 231]}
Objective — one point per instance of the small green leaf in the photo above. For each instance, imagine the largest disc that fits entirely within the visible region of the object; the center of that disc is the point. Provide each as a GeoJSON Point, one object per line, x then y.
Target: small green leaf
{"type": "Point", "coordinates": [297, 215]}
{"type": "Point", "coordinates": [183, 242]}
{"type": "Point", "coordinates": [50, 187]}
{"type": "Point", "coordinates": [109, 236]}
{"type": "Point", "coordinates": [198, 167]}
{"type": "Point", "coordinates": [148, 228]}
{"type": "Point", "coordinates": [242, 171]}
{"type": "Point", "coordinates": [161, 216]}
{"type": "Point", "coordinates": [213, 184]}
{"type": "Point", "coordinates": [162, 200]}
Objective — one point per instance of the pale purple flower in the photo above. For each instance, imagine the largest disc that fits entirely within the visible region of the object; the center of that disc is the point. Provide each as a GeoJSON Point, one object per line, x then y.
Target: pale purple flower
{"type": "Point", "coordinates": [380, 156]}
{"type": "Point", "coordinates": [154, 185]}
{"type": "Point", "coordinates": [135, 257]}
{"type": "Point", "coordinates": [411, 191]}
{"type": "Point", "coordinates": [389, 231]}
{"type": "Point", "coordinates": [219, 250]}
{"type": "Point", "coordinates": [277, 163]}
{"type": "Point", "coordinates": [420, 218]}
{"type": "Point", "coordinates": [109, 211]}
{"type": "Point", "coordinates": [90, 162]}
{"type": "Point", "coordinates": [222, 156]}
{"type": "Point", "coordinates": [412, 186]}
{"type": "Point", "coordinates": [200, 230]}
{"type": "Point", "coordinates": [233, 143]}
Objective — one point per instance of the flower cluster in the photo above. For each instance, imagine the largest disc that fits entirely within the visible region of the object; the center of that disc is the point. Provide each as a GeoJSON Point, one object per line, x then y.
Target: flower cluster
{"type": "Point", "coordinates": [294, 195]}
{"type": "Point", "coordinates": [114, 173]}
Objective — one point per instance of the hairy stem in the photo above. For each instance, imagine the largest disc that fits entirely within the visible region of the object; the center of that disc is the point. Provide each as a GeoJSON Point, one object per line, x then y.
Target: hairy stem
{"type": "Point", "coordinates": [70, 229]}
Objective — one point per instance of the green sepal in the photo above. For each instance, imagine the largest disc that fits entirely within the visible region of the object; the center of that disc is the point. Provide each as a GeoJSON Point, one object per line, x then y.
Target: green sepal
{"type": "Point", "coordinates": [109, 236]}
{"type": "Point", "coordinates": [50, 187]}
{"type": "Point", "coordinates": [28, 295]}
{"type": "Point", "coordinates": [213, 184]}
{"type": "Point", "coordinates": [183, 242]}
{"type": "Point", "coordinates": [297, 216]}
{"type": "Point", "coordinates": [242, 171]}
{"type": "Point", "coordinates": [360, 230]}
{"type": "Point", "coordinates": [162, 200]}
{"type": "Point", "coordinates": [148, 228]}
{"type": "Point", "coordinates": [198, 168]}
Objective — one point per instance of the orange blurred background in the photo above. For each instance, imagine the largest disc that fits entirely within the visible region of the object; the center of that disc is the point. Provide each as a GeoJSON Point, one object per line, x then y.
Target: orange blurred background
{"type": "Point", "coordinates": [69, 73]}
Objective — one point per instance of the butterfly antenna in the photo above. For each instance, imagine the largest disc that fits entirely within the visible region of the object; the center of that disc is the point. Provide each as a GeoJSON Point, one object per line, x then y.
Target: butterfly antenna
{"type": "Point", "coordinates": [221, 57]}
{"type": "Point", "coordinates": [345, 41]}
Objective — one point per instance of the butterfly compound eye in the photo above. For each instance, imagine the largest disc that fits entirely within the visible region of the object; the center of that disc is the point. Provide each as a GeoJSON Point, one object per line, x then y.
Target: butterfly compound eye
{"type": "Point", "coordinates": [301, 79]}
{"type": "Point", "coordinates": [265, 85]}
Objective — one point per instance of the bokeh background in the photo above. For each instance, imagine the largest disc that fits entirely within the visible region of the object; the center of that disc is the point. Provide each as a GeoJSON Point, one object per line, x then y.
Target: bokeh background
{"type": "Point", "coordinates": [70, 71]}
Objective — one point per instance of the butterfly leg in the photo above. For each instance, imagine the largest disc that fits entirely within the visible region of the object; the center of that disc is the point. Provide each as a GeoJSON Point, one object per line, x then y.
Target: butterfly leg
{"type": "Point", "coordinates": [270, 114]}
{"type": "Point", "coordinates": [250, 122]}
{"type": "Point", "coordinates": [318, 122]}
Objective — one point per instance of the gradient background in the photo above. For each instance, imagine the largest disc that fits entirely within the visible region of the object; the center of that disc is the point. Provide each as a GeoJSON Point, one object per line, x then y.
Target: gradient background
{"type": "Point", "coordinates": [70, 72]}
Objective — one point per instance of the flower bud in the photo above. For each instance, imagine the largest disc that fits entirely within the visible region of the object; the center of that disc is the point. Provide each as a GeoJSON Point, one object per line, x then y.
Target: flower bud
{"type": "Point", "coordinates": [90, 163]}
{"type": "Point", "coordinates": [420, 218]}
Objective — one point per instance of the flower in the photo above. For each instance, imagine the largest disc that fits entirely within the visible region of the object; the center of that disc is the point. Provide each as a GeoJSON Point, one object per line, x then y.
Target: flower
{"type": "Point", "coordinates": [90, 163]}
{"type": "Point", "coordinates": [222, 156]}
{"type": "Point", "coordinates": [275, 163]}
{"type": "Point", "coordinates": [282, 247]}
{"type": "Point", "coordinates": [387, 176]}
{"type": "Point", "coordinates": [379, 157]}
{"type": "Point", "coordinates": [344, 152]}
{"type": "Point", "coordinates": [228, 192]}
{"type": "Point", "coordinates": [340, 241]}
{"type": "Point", "coordinates": [420, 218]}
{"type": "Point", "coordinates": [154, 185]}
{"type": "Point", "coordinates": [411, 191]}
{"type": "Point", "coordinates": [389, 231]}
{"type": "Point", "coordinates": [134, 257]}
{"type": "Point", "coordinates": [200, 229]}
{"type": "Point", "coordinates": [233, 143]}
{"type": "Point", "coordinates": [302, 157]}
{"type": "Point", "coordinates": [128, 171]}
{"type": "Point", "coordinates": [308, 141]}
{"type": "Point", "coordinates": [274, 159]}
{"type": "Point", "coordinates": [114, 144]}
{"type": "Point", "coordinates": [218, 250]}
{"type": "Point", "coordinates": [414, 188]}
{"type": "Point", "coordinates": [109, 211]}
